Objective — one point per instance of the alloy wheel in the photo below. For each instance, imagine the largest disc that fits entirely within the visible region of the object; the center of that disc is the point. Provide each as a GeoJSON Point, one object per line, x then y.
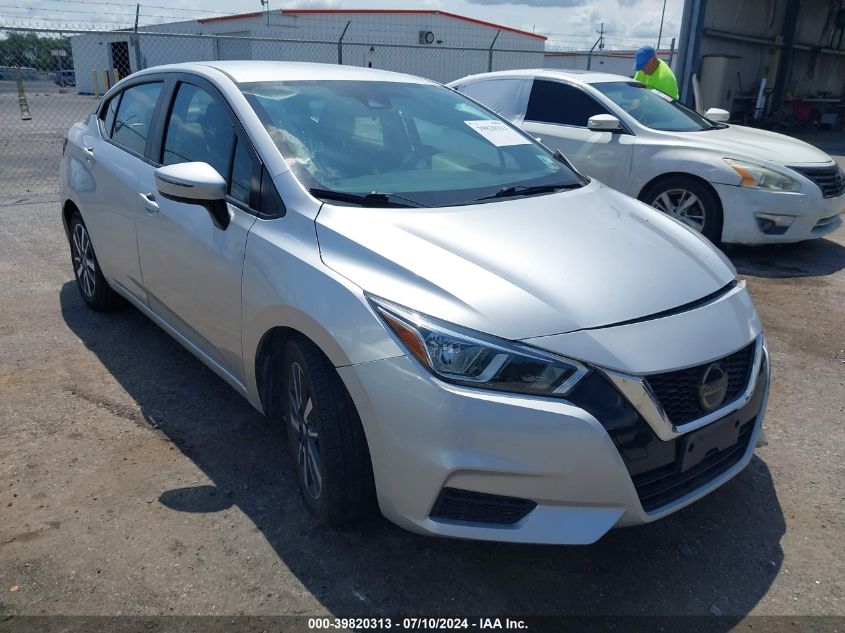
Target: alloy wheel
{"type": "Point", "coordinates": [84, 264]}
{"type": "Point", "coordinates": [682, 205]}
{"type": "Point", "coordinates": [303, 424]}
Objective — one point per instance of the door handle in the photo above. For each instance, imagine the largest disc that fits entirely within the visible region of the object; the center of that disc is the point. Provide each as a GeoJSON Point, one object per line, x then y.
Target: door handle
{"type": "Point", "coordinates": [150, 203]}
{"type": "Point", "coordinates": [88, 151]}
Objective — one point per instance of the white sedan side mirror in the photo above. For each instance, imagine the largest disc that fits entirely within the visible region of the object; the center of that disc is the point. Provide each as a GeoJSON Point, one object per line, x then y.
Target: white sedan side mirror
{"type": "Point", "coordinates": [195, 183]}
{"type": "Point", "coordinates": [190, 181]}
{"type": "Point", "coordinates": [718, 115]}
{"type": "Point", "coordinates": [603, 123]}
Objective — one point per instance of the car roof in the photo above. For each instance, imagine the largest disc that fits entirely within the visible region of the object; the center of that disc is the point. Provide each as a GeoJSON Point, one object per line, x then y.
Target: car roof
{"type": "Point", "coordinates": [572, 76]}
{"type": "Point", "coordinates": [253, 71]}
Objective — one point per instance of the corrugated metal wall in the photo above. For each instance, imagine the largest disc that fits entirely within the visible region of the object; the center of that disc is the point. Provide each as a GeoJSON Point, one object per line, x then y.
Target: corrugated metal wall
{"type": "Point", "coordinates": [754, 31]}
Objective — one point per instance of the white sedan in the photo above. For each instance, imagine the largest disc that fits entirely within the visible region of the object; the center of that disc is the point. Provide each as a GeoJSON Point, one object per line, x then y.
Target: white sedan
{"type": "Point", "coordinates": [732, 183]}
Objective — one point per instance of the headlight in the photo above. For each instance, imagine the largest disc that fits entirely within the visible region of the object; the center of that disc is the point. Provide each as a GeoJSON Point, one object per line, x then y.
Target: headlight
{"type": "Point", "coordinates": [760, 177]}
{"type": "Point", "coordinates": [470, 358]}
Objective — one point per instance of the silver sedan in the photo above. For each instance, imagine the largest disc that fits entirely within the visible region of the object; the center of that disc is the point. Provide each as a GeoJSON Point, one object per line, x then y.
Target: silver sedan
{"type": "Point", "coordinates": [453, 324]}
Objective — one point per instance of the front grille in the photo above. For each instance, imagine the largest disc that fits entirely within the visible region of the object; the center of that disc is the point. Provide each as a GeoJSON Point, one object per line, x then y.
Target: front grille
{"type": "Point", "coordinates": [829, 179]}
{"type": "Point", "coordinates": [655, 465]}
{"type": "Point", "coordinates": [663, 485]}
{"type": "Point", "coordinates": [677, 391]}
{"type": "Point", "coordinates": [454, 504]}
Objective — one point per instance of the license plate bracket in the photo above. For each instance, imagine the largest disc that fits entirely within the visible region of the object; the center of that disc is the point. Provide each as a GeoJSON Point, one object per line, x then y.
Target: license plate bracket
{"type": "Point", "coordinates": [716, 436]}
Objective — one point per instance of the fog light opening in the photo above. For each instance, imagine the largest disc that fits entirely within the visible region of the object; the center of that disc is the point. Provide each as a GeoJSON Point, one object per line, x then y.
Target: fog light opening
{"type": "Point", "coordinates": [772, 224]}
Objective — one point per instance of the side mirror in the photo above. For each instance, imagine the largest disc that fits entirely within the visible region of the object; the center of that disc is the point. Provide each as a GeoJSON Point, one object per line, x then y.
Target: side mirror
{"type": "Point", "coordinates": [195, 183]}
{"type": "Point", "coordinates": [604, 123]}
{"type": "Point", "coordinates": [718, 115]}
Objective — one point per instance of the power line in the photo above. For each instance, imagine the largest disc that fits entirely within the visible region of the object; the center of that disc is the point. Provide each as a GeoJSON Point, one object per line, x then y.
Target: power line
{"type": "Point", "coordinates": [19, 21]}
{"type": "Point", "coordinates": [145, 6]}
{"type": "Point", "coordinates": [567, 35]}
{"type": "Point", "coordinates": [130, 17]}
{"type": "Point", "coordinates": [592, 37]}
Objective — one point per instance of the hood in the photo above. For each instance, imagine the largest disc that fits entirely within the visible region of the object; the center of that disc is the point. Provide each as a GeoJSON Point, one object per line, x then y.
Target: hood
{"type": "Point", "coordinates": [525, 267]}
{"type": "Point", "coordinates": [737, 141]}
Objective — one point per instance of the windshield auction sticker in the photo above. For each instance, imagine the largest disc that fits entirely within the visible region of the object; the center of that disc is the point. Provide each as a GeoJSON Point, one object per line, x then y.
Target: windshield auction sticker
{"type": "Point", "coordinates": [498, 133]}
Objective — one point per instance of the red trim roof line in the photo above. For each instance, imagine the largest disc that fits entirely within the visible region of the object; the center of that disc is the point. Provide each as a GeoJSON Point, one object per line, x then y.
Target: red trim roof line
{"type": "Point", "coordinates": [418, 12]}
{"type": "Point", "coordinates": [447, 14]}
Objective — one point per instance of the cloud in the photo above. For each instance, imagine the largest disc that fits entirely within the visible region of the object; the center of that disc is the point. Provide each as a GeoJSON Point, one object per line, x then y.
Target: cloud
{"type": "Point", "coordinates": [313, 4]}
{"type": "Point", "coordinates": [649, 28]}
{"type": "Point", "coordinates": [628, 3]}
{"type": "Point", "coordinates": [535, 3]}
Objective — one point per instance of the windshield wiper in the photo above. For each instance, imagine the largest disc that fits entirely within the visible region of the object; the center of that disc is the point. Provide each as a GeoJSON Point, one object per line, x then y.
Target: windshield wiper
{"type": "Point", "coordinates": [374, 198]}
{"type": "Point", "coordinates": [522, 190]}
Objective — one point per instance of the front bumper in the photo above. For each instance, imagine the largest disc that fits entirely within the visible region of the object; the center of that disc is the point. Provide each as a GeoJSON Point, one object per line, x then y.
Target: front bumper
{"type": "Point", "coordinates": [814, 215]}
{"type": "Point", "coordinates": [426, 436]}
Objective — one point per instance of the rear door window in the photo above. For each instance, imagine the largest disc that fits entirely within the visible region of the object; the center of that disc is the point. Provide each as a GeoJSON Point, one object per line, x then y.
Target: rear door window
{"type": "Point", "coordinates": [561, 104]}
{"type": "Point", "coordinates": [134, 115]}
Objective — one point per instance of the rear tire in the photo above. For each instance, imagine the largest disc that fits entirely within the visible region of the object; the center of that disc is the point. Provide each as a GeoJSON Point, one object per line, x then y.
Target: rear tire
{"type": "Point", "coordinates": [325, 437]}
{"type": "Point", "coordinates": [690, 201]}
{"type": "Point", "coordinates": [90, 281]}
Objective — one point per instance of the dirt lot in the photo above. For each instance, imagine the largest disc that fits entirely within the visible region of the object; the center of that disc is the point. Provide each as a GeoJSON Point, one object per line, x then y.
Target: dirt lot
{"type": "Point", "coordinates": [133, 481]}
{"type": "Point", "coordinates": [30, 150]}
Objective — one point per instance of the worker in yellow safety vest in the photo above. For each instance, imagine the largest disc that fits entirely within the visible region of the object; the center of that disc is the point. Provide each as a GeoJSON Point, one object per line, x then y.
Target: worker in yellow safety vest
{"type": "Point", "coordinates": [654, 72]}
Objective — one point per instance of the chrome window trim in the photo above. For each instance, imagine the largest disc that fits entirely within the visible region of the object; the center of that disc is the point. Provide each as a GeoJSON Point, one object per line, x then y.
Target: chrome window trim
{"type": "Point", "coordinates": [640, 395]}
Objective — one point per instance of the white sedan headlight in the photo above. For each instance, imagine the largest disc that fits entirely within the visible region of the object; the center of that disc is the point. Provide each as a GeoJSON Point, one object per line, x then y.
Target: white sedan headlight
{"type": "Point", "coordinates": [760, 177]}
{"type": "Point", "coordinates": [470, 358]}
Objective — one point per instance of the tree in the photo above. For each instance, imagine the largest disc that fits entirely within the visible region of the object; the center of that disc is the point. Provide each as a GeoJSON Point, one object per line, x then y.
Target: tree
{"type": "Point", "coordinates": [33, 50]}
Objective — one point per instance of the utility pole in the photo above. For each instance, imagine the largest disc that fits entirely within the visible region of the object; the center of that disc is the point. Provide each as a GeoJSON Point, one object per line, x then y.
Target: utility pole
{"type": "Point", "coordinates": [660, 32]}
{"type": "Point", "coordinates": [600, 43]}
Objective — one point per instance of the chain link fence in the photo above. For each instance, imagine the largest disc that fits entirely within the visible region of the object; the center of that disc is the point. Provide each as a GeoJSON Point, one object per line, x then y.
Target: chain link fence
{"type": "Point", "coordinates": [51, 78]}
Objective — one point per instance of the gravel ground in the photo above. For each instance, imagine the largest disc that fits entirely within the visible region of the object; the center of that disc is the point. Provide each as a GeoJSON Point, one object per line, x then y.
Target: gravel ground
{"type": "Point", "coordinates": [133, 481]}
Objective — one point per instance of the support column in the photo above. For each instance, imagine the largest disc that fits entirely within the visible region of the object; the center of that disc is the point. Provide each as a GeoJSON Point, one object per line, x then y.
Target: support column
{"type": "Point", "coordinates": [790, 21]}
{"type": "Point", "coordinates": [689, 47]}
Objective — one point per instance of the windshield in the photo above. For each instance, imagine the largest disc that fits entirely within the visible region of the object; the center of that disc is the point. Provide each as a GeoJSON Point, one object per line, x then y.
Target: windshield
{"type": "Point", "coordinates": [423, 144]}
{"type": "Point", "coordinates": [653, 108]}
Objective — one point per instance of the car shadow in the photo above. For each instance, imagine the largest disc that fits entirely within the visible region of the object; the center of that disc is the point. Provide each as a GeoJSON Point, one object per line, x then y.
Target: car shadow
{"type": "Point", "coordinates": [718, 556]}
{"type": "Point", "coordinates": [812, 258]}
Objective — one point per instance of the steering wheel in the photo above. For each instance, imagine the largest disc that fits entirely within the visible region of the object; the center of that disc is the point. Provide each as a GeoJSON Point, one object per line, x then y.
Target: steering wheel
{"type": "Point", "coordinates": [423, 153]}
{"type": "Point", "coordinates": [647, 117]}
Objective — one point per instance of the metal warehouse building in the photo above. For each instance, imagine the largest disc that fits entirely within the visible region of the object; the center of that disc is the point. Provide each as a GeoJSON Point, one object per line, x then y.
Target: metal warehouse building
{"type": "Point", "coordinates": [791, 51]}
{"type": "Point", "coordinates": [435, 44]}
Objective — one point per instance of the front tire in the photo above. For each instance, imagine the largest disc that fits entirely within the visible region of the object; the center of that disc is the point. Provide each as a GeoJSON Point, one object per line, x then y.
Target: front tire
{"type": "Point", "coordinates": [325, 437]}
{"type": "Point", "coordinates": [690, 201]}
{"type": "Point", "coordinates": [90, 281]}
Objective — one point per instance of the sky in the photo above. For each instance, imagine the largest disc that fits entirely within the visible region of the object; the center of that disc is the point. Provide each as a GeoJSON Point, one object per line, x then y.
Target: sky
{"type": "Point", "coordinates": [568, 23]}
